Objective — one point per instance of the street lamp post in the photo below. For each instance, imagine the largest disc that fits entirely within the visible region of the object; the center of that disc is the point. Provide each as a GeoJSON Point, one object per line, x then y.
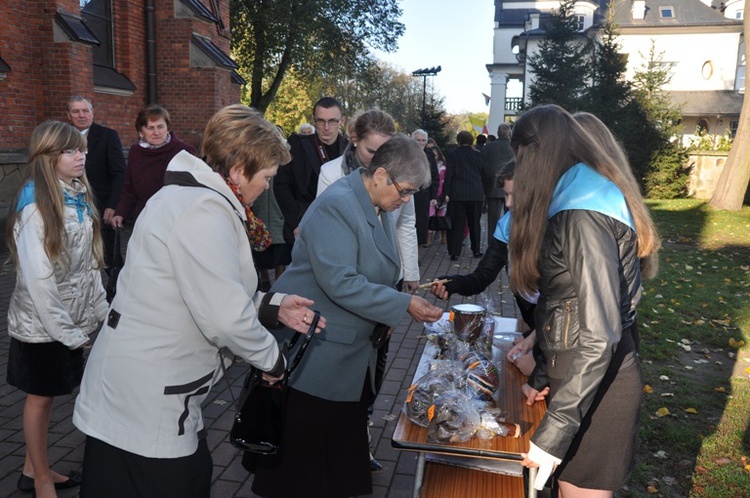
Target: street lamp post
{"type": "Point", "coordinates": [424, 73]}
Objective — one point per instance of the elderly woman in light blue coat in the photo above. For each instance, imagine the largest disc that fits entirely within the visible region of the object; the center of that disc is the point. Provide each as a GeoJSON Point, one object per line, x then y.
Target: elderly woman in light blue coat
{"type": "Point", "coordinates": [347, 261]}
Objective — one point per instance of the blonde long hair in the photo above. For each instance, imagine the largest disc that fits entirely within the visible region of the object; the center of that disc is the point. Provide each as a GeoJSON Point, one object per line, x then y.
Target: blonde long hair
{"type": "Point", "coordinates": [47, 141]}
{"type": "Point", "coordinates": [644, 225]}
{"type": "Point", "coordinates": [547, 142]}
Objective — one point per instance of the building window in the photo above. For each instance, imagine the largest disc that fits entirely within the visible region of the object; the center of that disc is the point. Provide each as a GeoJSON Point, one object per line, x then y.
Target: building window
{"type": "Point", "coordinates": [739, 14]}
{"type": "Point", "coordinates": [666, 12]}
{"type": "Point", "coordinates": [702, 127]}
{"type": "Point", "coordinates": [578, 22]}
{"type": "Point", "coordinates": [733, 125]}
{"type": "Point", "coordinates": [97, 14]}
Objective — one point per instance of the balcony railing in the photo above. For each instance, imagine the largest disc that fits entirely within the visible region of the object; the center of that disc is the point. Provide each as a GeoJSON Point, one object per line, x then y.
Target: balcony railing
{"type": "Point", "coordinates": [513, 103]}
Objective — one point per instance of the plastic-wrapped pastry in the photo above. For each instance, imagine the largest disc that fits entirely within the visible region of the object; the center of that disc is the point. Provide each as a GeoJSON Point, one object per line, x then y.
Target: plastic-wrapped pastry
{"type": "Point", "coordinates": [443, 376]}
{"type": "Point", "coordinates": [453, 418]}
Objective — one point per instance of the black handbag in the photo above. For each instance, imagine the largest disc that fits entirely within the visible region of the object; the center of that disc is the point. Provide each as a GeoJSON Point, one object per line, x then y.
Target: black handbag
{"type": "Point", "coordinates": [114, 270]}
{"type": "Point", "coordinates": [439, 223]}
{"type": "Point", "coordinates": [259, 421]}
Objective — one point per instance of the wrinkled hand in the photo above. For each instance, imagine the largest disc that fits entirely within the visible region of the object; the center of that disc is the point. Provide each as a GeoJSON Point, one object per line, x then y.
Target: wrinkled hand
{"type": "Point", "coordinates": [423, 311]}
{"type": "Point", "coordinates": [296, 232]}
{"type": "Point", "coordinates": [411, 286]}
{"type": "Point", "coordinates": [117, 221]}
{"type": "Point", "coordinates": [438, 290]}
{"type": "Point", "coordinates": [433, 202]}
{"type": "Point", "coordinates": [295, 313]}
{"type": "Point", "coordinates": [107, 215]}
{"type": "Point", "coordinates": [532, 395]}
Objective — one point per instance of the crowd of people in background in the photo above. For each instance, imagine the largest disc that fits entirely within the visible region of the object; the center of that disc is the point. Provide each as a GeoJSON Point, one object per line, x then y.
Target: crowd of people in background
{"type": "Point", "coordinates": [338, 211]}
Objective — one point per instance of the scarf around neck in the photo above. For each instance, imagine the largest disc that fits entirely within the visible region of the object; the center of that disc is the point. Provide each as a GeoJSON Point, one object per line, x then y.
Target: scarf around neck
{"type": "Point", "coordinates": [257, 233]}
{"type": "Point", "coordinates": [350, 161]}
{"type": "Point", "coordinates": [71, 197]}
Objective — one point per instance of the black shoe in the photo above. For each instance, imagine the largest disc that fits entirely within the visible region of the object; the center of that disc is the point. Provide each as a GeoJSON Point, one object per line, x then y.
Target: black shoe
{"type": "Point", "coordinates": [478, 254]}
{"type": "Point", "coordinates": [26, 484]}
{"type": "Point", "coordinates": [454, 258]}
{"type": "Point", "coordinates": [375, 466]}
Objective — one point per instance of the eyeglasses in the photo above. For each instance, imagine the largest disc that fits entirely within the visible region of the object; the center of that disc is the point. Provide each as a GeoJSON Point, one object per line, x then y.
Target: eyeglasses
{"type": "Point", "coordinates": [329, 122]}
{"type": "Point", "coordinates": [72, 152]}
{"type": "Point", "coordinates": [403, 192]}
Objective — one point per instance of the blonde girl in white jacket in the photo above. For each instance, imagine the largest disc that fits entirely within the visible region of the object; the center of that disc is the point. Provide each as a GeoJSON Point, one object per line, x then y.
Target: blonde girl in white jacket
{"type": "Point", "coordinates": [53, 237]}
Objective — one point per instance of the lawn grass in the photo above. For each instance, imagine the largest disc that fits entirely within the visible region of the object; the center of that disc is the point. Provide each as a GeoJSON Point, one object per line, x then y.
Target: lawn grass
{"type": "Point", "coordinates": [692, 317]}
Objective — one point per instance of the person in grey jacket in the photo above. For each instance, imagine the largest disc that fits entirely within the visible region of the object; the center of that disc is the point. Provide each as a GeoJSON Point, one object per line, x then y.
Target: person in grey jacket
{"type": "Point", "coordinates": [54, 239]}
{"type": "Point", "coordinates": [583, 237]}
{"type": "Point", "coordinates": [346, 259]}
{"type": "Point", "coordinates": [188, 291]}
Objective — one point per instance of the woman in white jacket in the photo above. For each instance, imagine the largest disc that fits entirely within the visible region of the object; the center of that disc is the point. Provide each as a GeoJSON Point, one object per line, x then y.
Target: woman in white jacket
{"type": "Point", "coordinates": [370, 130]}
{"type": "Point", "coordinates": [187, 290]}
{"type": "Point", "coordinates": [58, 300]}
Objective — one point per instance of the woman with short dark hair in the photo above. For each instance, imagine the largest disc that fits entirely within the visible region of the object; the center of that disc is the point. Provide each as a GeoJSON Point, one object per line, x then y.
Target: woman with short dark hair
{"type": "Point", "coordinates": [147, 161]}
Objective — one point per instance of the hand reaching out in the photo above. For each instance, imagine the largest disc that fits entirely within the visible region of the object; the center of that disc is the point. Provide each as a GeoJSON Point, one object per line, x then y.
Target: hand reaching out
{"type": "Point", "coordinates": [422, 311]}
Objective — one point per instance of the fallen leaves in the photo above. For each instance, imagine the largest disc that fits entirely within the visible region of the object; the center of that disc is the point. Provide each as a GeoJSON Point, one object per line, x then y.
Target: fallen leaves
{"type": "Point", "coordinates": [648, 389]}
{"type": "Point", "coordinates": [662, 412]}
{"type": "Point", "coordinates": [691, 410]}
{"type": "Point", "coordinates": [736, 344]}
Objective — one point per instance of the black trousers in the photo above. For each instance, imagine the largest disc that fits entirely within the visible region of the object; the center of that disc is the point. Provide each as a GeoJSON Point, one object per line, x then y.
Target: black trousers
{"type": "Point", "coordinates": [422, 215]}
{"type": "Point", "coordinates": [460, 213]}
{"type": "Point", "coordinates": [495, 210]}
{"type": "Point", "coordinates": [108, 241]}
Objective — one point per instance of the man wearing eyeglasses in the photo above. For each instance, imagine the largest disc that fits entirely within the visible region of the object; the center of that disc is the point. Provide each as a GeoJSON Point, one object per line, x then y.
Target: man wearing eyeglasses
{"type": "Point", "coordinates": [296, 183]}
{"type": "Point", "coordinates": [105, 168]}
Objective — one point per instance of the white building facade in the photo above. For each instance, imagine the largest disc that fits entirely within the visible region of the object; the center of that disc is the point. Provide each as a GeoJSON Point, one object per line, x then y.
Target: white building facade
{"type": "Point", "coordinates": [700, 40]}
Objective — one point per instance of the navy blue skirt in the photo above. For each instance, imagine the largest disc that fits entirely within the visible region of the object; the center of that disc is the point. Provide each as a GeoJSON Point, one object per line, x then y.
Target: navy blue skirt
{"type": "Point", "coordinates": [44, 368]}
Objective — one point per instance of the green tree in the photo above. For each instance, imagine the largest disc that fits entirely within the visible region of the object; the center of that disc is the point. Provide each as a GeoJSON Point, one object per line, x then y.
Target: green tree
{"type": "Point", "coordinates": [611, 97]}
{"type": "Point", "coordinates": [666, 176]}
{"type": "Point", "coordinates": [320, 37]}
{"type": "Point", "coordinates": [609, 92]}
{"type": "Point", "coordinates": [292, 105]}
{"type": "Point", "coordinates": [397, 93]}
{"type": "Point", "coordinates": [436, 120]}
{"type": "Point", "coordinates": [560, 66]}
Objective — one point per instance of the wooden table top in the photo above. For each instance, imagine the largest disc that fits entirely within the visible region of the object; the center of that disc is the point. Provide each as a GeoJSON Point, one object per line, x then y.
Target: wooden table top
{"type": "Point", "coordinates": [410, 436]}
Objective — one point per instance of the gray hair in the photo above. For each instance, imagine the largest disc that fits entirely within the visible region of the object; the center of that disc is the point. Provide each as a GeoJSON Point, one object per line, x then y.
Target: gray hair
{"type": "Point", "coordinates": [420, 131]}
{"type": "Point", "coordinates": [78, 98]}
{"type": "Point", "coordinates": [404, 161]}
{"type": "Point", "coordinates": [503, 131]}
{"type": "Point", "coordinates": [306, 127]}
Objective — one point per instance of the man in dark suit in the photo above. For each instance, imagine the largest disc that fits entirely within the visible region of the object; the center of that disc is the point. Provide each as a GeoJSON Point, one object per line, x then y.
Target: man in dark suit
{"type": "Point", "coordinates": [105, 168]}
{"type": "Point", "coordinates": [497, 153]}
{"type": "Point", "coordinates": [466, 173]}
{"type": "Point", "coordinates": [296, 183]}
